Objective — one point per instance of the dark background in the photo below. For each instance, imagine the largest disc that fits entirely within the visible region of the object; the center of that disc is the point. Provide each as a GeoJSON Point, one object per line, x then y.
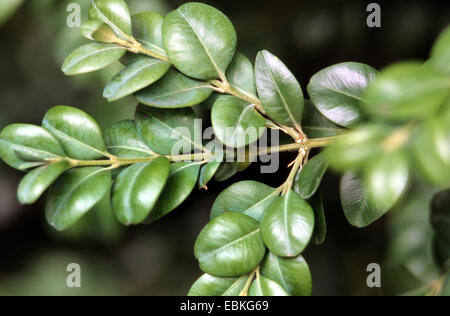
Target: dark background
{"type": "Point", "coordinates": [158, 259]}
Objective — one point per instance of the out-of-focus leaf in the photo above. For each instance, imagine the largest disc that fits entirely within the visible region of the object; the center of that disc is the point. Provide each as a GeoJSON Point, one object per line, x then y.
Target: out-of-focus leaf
{"type": "Point", "coordinates": [200, 40]}
{"type": "Point", "coordinates": [320, 227]}
{"type": "Point", "coordinates": [247, 197]}
{"type": "Point", "coordinates": [279, 91]}
{"type": "Point", "coordinates": [440, 54]}
{"type": "Point", "coordinates": [8, 8]}
{"type": "Point", "coordinates": [230, 245]}
{"type": "Point", "coordinates": [337, 91]}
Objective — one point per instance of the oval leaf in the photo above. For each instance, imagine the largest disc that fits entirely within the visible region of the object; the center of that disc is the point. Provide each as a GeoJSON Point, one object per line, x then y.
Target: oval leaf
{"type": "Point", "coordinates": [199, 40]}
{"type": "Point", "coordinates": [406, 91]}
{"type": "Point", "coordinates": [440, 54]}
{"type": "Point", "coordinates": [208, 285]}
{"type": "Point", "coordinates": [18, 141]}
{"type": "Point", "coordinates": [310, 177]}
{"type": "Point", "coordinates": [91, 57]}
{"type": "Point", "coordinates": [337, 91]}
{"type": "Point", "coordinates": [208, 170]}
{"type": "Point", "coordinates": [182, 179]}
{"type": "Point", "coordinates": [147, 30]}
{"type": "Point", "coordinates": [114, 13]}
{"type": "Point", "coordinates": [167, 132]}
{"type": "Point", "coordinates": [96, 30]}
{"type": "Point", "coordinates": [247, 197]}
{"type": "Point", "coordinates": [315, 125]}
{"type": "Point", "coordinates": [241, 75]}
{"type": "Point", "coordinates": [265, 287]}
{"type": "Point", "coordinates": [74, 194]}
{"type": "Point", "coordinates": [122, 140]}
{"type": "Point", "coordinates": [136, 76]}
{"type": "Point", "coordinates": [137, 190]}
{"type": "Point", "coordinates": [78, 132]}
{"type": "Point", "coordinates": [230, 245]}
{"type": "Point", "coordinates": [35, 183]}
{"type": "Point", "coordinates": [287, 225]}
{"type": "Point", "coordinates": [279, 91]}
{"type": "Point", "coordinates": [175, 90]}
{"type": "Point", "coordinates": [292, 274]}
{"type": "Point", "coordinates": [236, 123]}
{"type": "Point", "coordinates": [320, 227]}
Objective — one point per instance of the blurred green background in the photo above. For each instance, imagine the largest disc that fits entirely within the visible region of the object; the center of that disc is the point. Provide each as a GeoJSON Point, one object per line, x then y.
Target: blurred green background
{"type": "Point", "coordinates": [158, 259]}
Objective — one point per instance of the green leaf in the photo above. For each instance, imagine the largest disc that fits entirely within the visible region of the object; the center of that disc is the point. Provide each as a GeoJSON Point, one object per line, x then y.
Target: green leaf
{"type": "Point", "coordinates": [199, 40]}
{"type": "Point", "coordinates": [92, 57]}
{"type": "Point", "coordinates": [114, 13]}
{"type": "Point", "coordinates": [208, 170]}
{"type": "Point", "coordinates": [406, 91]}
{"type": "Point", "coordinates": [291, 273]}
{"type": "Point", "coordinates": [74, 194]}
{"type": "Point", "coordinates": [35, 183]}
{"type": "Point", "coordinates": [309, 178]}
{"type": "Point", "coordinates": [236, 123]}
{"type": "Point", "coordinates": [247, 197]}
{"type": "Point", "coordinates": [122, 140]}
{"type": "Point", "coordinates": [241, 75]}
{"type": "Point", "coordinates": [208, 285]}
{"type": "Point", "coordinates": [8, 8]}
{"type": "Point", "coordinates": [18, 141]}
{"type": "Point", "coordinates": [175, 90]}
{"type": "Point", "coordinates": [337, 91]}
{"type": "Point", "coordinates": [385, 179]}
{"type": "Point", "coordinates": [431, 151]}
{"type": "Point", "coordinates": [167, 132]}
{"type": "Point", "coordinates": [354, 148]}
{"type": "Point", "coordinates": [279, 91]}
{"type": "Point", "coordinates": [137, 190]}
{"type": "Point", "coordinates": [320, 227]}
{"type": "Point", "coordinates": [136, 76]}
{"type": "Point", "coordinates": [78, 133]}
{"type": "Point", "coordinates": [226, 171]}
{"type": "Point", "coordinates": [230, 245]}
{"type": "Point", "coordinates": [287, 225]}
{"type": "Point", "coordinates": [315, 125]}
{"type": "Point", "coordinates": [147, 30]}
{"type": "Point", "coordinates": [180, 184]}
{"type": "Point", "coordinates": [440, 215]}
{"type": "Point", "coordinates": [440, 54]}
{"type": "Point", "coordinates": [265, 287]}
{"type": "Point", "coordinates": [358, 210]}
{"type": "Point", "coordinates": [96, 30]}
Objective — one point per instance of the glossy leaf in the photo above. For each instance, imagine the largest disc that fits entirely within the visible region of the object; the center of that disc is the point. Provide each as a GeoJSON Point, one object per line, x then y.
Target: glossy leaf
{"type": "Point", "coordinates": [230, 245]}
{"type": "Point", "coordinates": [78, 133]}
{"type": "Point", "coordinates": [208, 285]}
{"type": "Point", "coordinates": [287, 225]}
{"type": "Point", "coordinates": [35, 183]}
{"type": "Point", "coordinates": [315, 125]}
{"type": "Point", "coordinates": [122, 140]}
{"type": "Point", "coordinates": [358, 210]}
{"type": "Point", "coordinates": [180, 184]}
{"type": "Point", "coordinates": [114, 13]}
{"type": "Point", "coordinates": [440, 54]}
{"type": "Point", "coordinates": [241, 75]}
{"type": "Point", "coordinates": [19, 141]}
{"type": "Point", "coordinates": [147, 30]}
{"type": "Point", "coordinates": [236, 123]}
{"type": "Point", "coordinates": [200, 40]}
{"type": "Point", "coordinates": [265, 287]}
{"type": "Point", "coordinates": [74, 194]}
{"type": "Point", "coordinates": [137, 190]}
{"type": "Point", "coordinates": [291, 273]}
{"type": "Point", "coordinates": [96, 30]}
{"type": "Point", "coordinates": [320, 227]}
{"type": "Point", "coordinates": [431, 151]}
{"type": "Point", "coordinates": [247, 197]}
{"type": "Point", "coordinates": [310, 177]}
{"type": "Point", "coordinates": [279, 91]}
{"type": "Point", "coordinates": [175, 90]}
{"type": "Point", "coordinates": [226, 171]}
{"type": "Point", "coordinates": [92, 57]}
{"type": "Point", "coordinates": [136, 76]}
{"type": "Point", "coordinates": [353, 149]}
{"type": "Point", "coordinates": [406, 91]}
{"type": "Point", "coordinates": [208, 170]}
{"type": "Point", "coordinates": [385, 179]}
{"type": "Point", "coordinates": [337, 91]}
{"type": "Point", "coordinates": [167, 132]}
